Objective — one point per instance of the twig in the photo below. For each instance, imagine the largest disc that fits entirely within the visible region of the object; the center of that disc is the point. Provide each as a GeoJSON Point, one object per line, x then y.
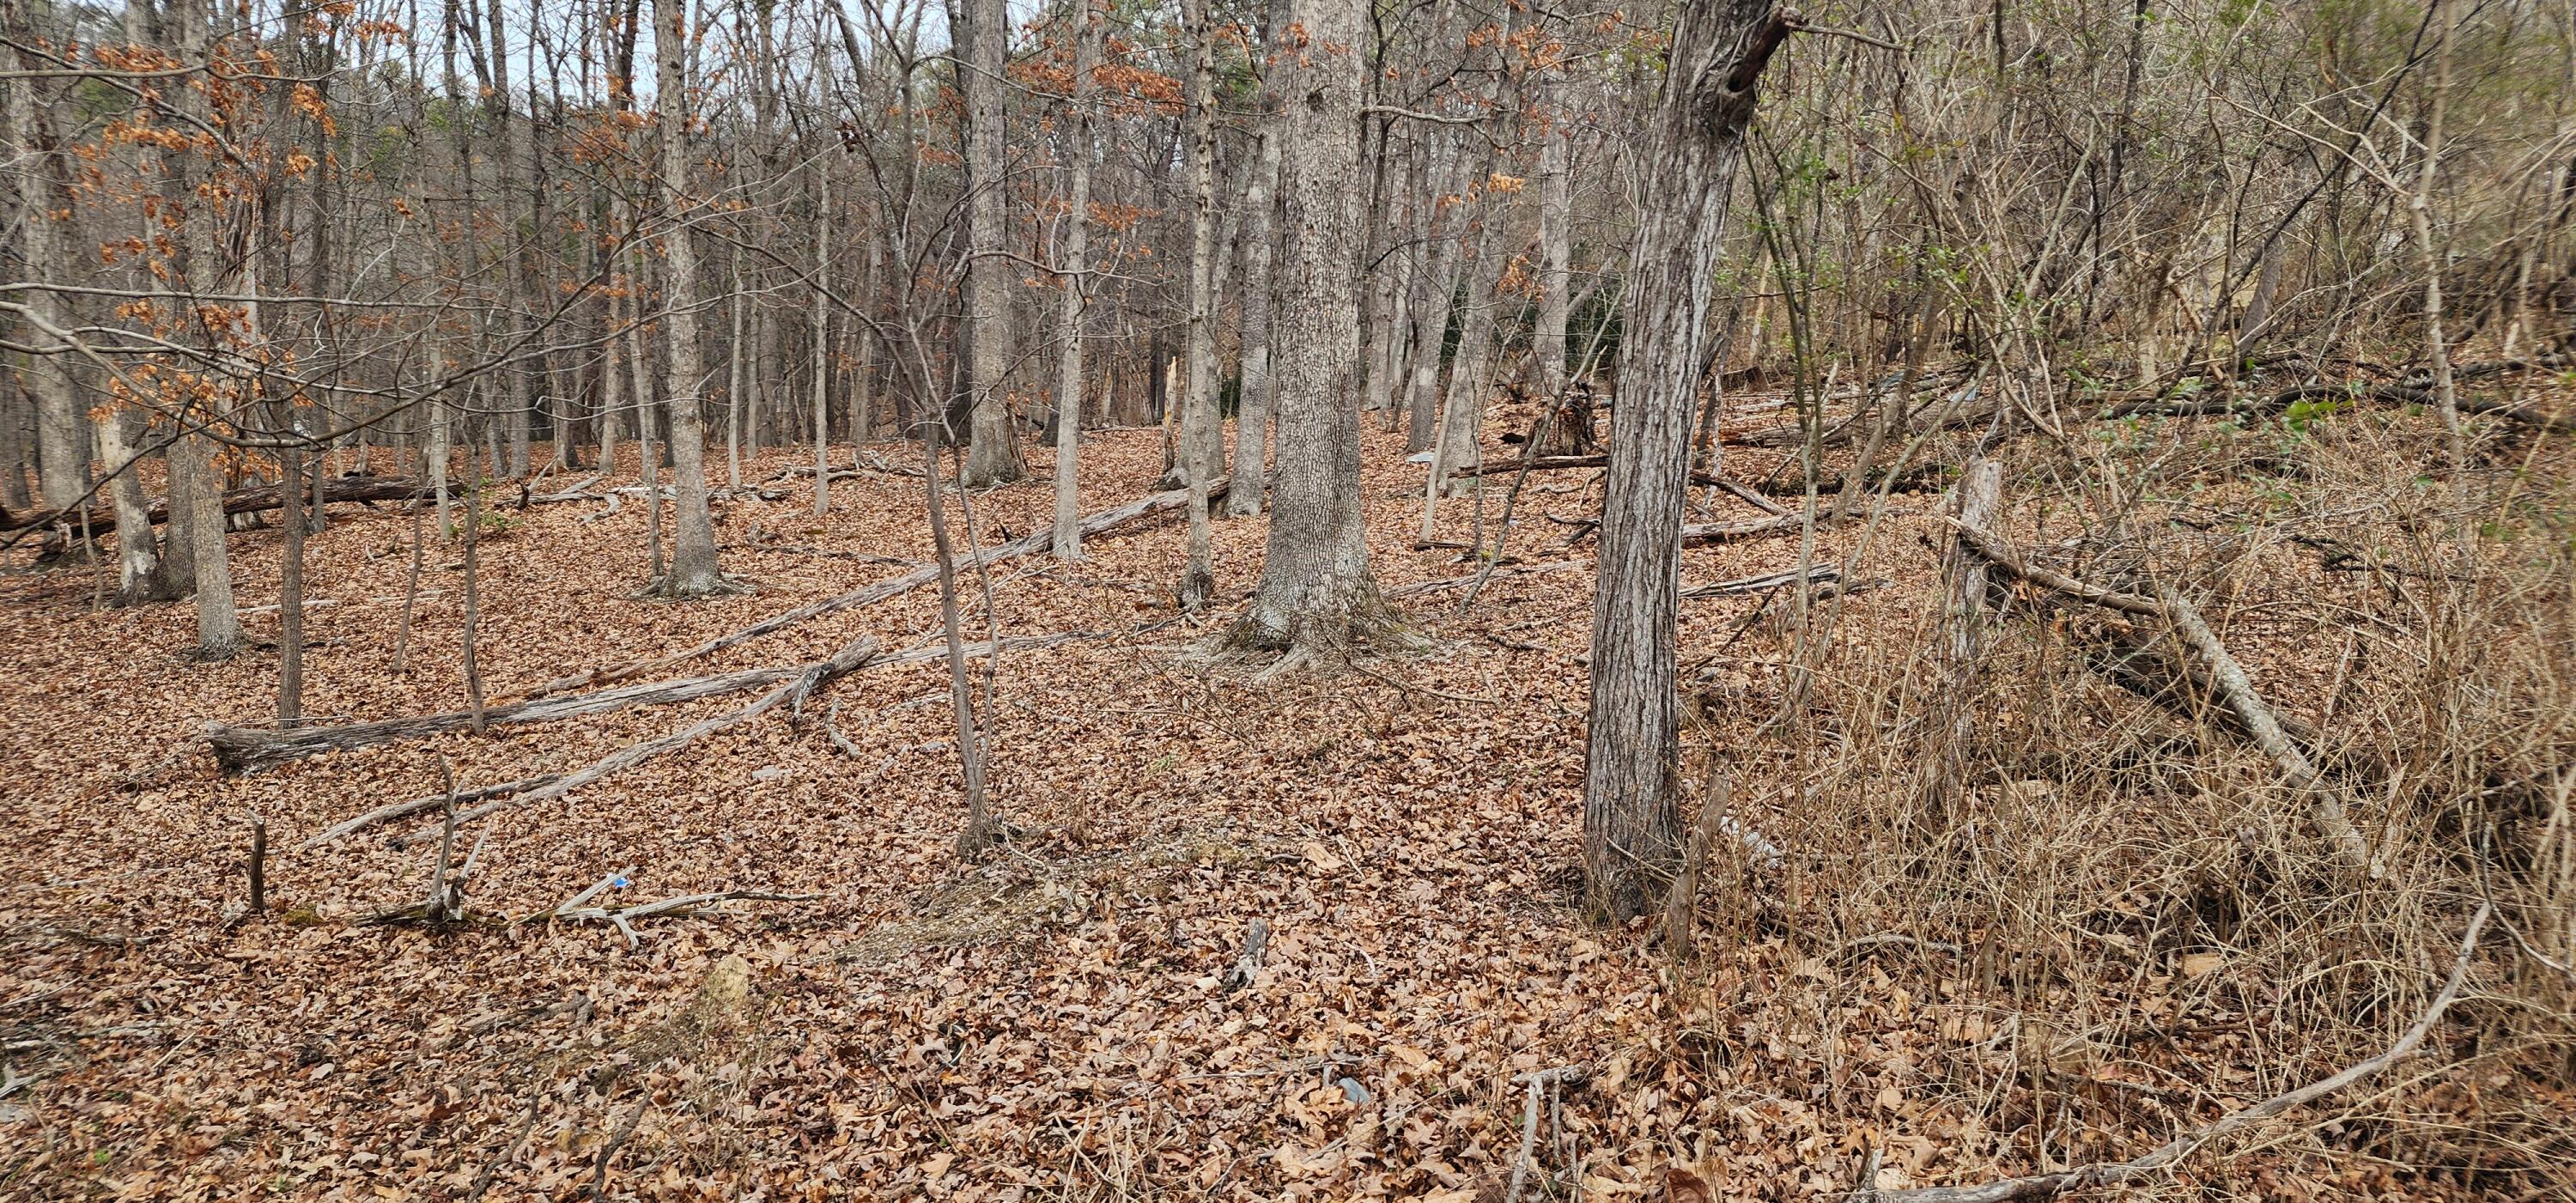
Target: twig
{"type": "Point", "coordinates": [681, 907]}
{"type": "Point", "coordinates": [1539, 1080]}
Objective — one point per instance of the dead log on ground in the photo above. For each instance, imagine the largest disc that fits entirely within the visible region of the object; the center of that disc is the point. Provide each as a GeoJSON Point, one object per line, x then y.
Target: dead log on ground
{"type": "Point", "coordinates": [1096, 524]}
{"type": "Point", "coordinates": [243, 749]}
{"type": "Point", "coordinates": [820, 673]}
{"type": "Point", "coordinates": [2254, 718]}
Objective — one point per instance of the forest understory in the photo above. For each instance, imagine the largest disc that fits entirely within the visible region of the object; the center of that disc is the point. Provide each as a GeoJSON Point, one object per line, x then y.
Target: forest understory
{"type": "Point", "coordinates": [1954, 921]}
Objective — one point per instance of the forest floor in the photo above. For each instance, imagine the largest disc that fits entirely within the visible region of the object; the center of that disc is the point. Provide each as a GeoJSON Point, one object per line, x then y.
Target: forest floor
{"type": "Point", "coordinates": [1053, 1019]}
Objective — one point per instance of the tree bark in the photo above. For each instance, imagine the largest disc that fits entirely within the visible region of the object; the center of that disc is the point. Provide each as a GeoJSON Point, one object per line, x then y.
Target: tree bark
{"type": "Point", "coordinates": [1316, 589]}
{"type": "Point", "coordinates": [1252, 415]}
{"type": "Point", "coordinates": [1632, 827]}
{"type": "Point", "coordinates": [1077, 289]}
{"type": "Point", "coordinates": [993, 449]}
{"type": "Point", "coordinates": [693, 546]}
{"type": "Point", "coordinates": [1202, 437]}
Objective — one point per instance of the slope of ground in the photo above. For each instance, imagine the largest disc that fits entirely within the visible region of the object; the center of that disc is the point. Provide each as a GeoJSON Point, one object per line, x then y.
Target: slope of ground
{"type": "Point", "coordinates": [1056, 1020]}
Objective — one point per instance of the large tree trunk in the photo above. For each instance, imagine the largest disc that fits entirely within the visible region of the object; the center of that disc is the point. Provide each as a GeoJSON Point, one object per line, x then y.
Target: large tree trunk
{"type": "Point", "coordinates": [1316, 589]}
{"type": "Point", "coordinates": [993, 447]}
{"type": "Point", "coordinates": [693, 545]}
{"type": "Point", "coordinates": [1632, 830]}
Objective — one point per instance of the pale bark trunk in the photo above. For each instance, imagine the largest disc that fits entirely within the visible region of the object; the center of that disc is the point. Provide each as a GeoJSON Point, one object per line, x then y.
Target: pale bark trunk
{"type": "Point", "coordinates": [864, 378]}
{"type": "Point", "coordinates": [1316, 590]}
{"type": "Point", "coordinates": [138, 569]}
{"type": "Point", "coordinates": [693, 545]}
{"type": "Point", "coordinates": [1555, 223]}
{"type": "Point", "coordinates": [1435, 289]}
{"type": "Point", "coordinates": [993, 450]}
{"type": "Point", "coordinates": [733, 389]}
{"type": "Point", "coordinates": [511, 146]}
{"type": "Point", "coordinates": [1632, 828]}
{"type": "Point", "coordinates": [1243, 498]}
{"type": "Point", "coordinates": [196, 483]}
{"type": "Point", "coordinates": [1077, 289]}
{"type": "Point", "coordinates": [1202, 437]}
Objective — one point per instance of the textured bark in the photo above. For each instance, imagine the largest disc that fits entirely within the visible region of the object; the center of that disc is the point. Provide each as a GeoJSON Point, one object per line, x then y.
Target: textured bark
{"type": "Point", "coordinates": [822, 341]}
{"type": "Point", "coordinates": [693, 544]}
{"type": "Point", "coordinates": [1077, 290]}
{"type": "Point", "coordinates": [1632, 826]}
{"type": "Point", "coordinates": [993, 448]}
{"type": "Point", "coordinates": [194, 480]}
{"type": "Point", "coordinates": [1316, 589]}
{"type": "Point", "coordinates": [1555, 224]}
{"type": "Point", "coordinates": [1252, 417]}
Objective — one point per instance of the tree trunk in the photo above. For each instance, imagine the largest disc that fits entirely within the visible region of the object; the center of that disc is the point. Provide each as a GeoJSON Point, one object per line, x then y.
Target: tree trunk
{"type": "Point", "coordinates": [62, 449]}
{"type": "Point", "coordinates": [1632, 829]}
{"type": "Point", "coordinates": [993, 450]}
{"type": "Point", "coordinates": [1435, 290]}
{"type": "Point", "coordinates": [1252, 416]}
{"type": "Point", "coordinates": [1316, 590]}
{"type": "Point", "coordinates": [1202, 437]}
{"type": "Point", "coordinates": [138, 568]}
{"type": "Point", "coordinates": [693, 545]}
{"type": "Point", "coordinates": [1077, 290]}
{"type": "Point", "coordinates": [822, 341]}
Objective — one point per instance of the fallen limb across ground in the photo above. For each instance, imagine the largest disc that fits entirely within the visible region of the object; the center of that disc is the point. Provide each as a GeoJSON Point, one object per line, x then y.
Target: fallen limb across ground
{"type": "Point", "coordinates": [2226, 676]}
{"type": "Point", "coordinates": [241, 749]}
{"type": "Point", "coordinates": [792, 688]}
{"type": "Point", "coordinates": [1096, 524]}
{"type": "Point", "coordinates": [2050, 1186]}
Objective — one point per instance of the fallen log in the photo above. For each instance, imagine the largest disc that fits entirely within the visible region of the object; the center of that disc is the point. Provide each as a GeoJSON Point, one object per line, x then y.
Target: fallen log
{"type": "Point", "coordinates": [399, 810]}
{"type": "Point", "coordinates": [795, 687]}
{"type": "Point", "coordinates": [243, 749]}
{"type": "Point", "coordinates": [1749, 494]}
{"type": "Point", "coordinates": [254, 499]}
{"type": "Point", "coordinates": [1096, 524]}
{"type": "Point", "coordinates": [1731, 532]}
{"type": "Point", "coordinates": [814, 676]}
{"type": "Point", "coordinates": [2227, 678]}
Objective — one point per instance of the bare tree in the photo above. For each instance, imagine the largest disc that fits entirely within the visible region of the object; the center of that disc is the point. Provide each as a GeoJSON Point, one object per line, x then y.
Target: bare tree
{"type": "Point", "coordinates": [1632, 831]}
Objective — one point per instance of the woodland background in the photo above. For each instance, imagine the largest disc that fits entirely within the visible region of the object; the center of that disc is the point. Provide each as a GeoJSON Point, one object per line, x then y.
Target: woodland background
{"type": "Point", "coordinates": [1431, 600]}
